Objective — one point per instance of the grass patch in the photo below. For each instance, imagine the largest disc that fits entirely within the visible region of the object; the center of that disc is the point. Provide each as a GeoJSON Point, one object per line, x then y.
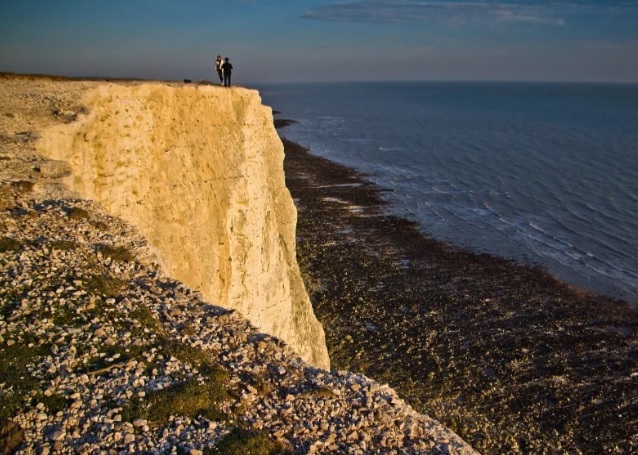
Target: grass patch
{"type": "Point", "coordinates": [106, 286]}
{"type": "Point", "coordinates": [146, 318]}
{"type": "Point", "coordinates": [190, 399]}
{"type": "Point", "coordinates": [63, 245]}
{"type": "Point", "coordinates": [102, 226]}
{"type": "Point", "coordinates": [14, 373]}
{"type": "Point", "coordinates": [324, 392]}
{"type": "Point", "coordinates": [116, 253]}
{"type": "Point", "coordinates": [53, 403]}
{"type": "Point", "coordinates": [190, 329]}
{"type": "Point", "coordinates": [23, 186]}
{"type": "Point", "coordinates": [185, 352]}
{"type": "Point", "coordinates": [259, 383]}
{"type": "Point", "coordinates": [76, 213]}
{"type": "Point", "coordinates": [10, 300]}
{"type": "Point", "coordinates": [9, 244]}
{"type": "Point", "coordinates": [181, 351]}
{"type": "Point", "coordinates": [240, 442]}
{"type": "Point", "coordinates": [321, 392]}
{"type": "Point", "coordinates": [65, 317]}
{"type": "Point", "coordinates": [96, 310]}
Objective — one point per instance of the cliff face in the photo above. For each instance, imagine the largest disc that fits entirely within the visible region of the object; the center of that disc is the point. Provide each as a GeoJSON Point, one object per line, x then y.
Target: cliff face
{"type": "Point", "coordinates": [198, 170]}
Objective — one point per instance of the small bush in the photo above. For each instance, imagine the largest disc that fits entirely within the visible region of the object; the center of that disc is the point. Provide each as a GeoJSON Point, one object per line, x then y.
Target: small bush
{"type": "Point", "coordinates": [241, 442]}
{"type": "Point", "coordinates": [185, 352]}
{"type": "Point", "coordinates": [102, 226]}
{"type": "Point", "coordinates": [15, 360]}
{"type": "Point", "coordinates": [190, 329]}
{"type": "Point", "coordinates": [76, 213]}
{"type": "Point", "coordinates": [23, 186]}
{"type": "Point", "coordinates": [116, 253]}
{"type": "Point", "coordinates": [323, 392]}
{"type": "Point", "coordinates": [104, 286]}
{"type": "Point", "coordinates": [259, 383]}
{"type": "Point", "coordinates": [146, 319]}
{"type": "Point", "coordinates": [52, 403]}
{"type": "Point", "coordinates": [189, 399]}
{"type": "Point", "coordinates": [65, 317]}
{"type": "Point", "coordinates": [63, 245]}
{"type": "Point", "coordinates": [9, 244]}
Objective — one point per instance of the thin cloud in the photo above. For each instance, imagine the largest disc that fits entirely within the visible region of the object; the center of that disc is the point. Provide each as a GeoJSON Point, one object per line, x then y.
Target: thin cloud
{"type": "Point", "coordinates": [461, 11]}
{"type": "Point", "coordinates": [517, 15]}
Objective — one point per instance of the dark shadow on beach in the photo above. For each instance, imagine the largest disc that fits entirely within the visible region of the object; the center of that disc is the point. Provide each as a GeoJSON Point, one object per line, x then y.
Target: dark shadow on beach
{"type": "Point", "coordinates": [512, 359]}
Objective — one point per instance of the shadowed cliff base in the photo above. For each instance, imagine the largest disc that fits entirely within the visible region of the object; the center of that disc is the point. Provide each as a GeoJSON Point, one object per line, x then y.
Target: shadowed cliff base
{"type": "Point", "coordinates": [222, 221]}
{"type": "Point", "coordinates": [510, 358]}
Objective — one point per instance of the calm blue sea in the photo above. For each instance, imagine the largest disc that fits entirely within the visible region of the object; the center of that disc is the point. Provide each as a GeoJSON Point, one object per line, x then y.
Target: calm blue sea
{"type": "Point", "coordinates": [542, 173]}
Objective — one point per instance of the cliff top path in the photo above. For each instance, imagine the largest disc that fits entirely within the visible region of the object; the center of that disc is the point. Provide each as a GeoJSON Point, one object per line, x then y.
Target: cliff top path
{"type": "Point", "coordinates": [102, 352]}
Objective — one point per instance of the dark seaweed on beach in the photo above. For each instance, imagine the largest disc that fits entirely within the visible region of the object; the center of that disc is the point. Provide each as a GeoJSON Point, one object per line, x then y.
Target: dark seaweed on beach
{"type": "Point", "coordinates": [506, 355]}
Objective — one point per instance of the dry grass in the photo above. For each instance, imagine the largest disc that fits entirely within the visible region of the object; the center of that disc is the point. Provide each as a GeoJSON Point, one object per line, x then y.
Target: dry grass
{"type": "Point", "coordinates": [240, 442]}
{"type": "Point", "coordinates": [116, 253]}
{"type": "Point", "coordinates": [9, 244]}
{"type": "Point", "coordinates": [190, 398]}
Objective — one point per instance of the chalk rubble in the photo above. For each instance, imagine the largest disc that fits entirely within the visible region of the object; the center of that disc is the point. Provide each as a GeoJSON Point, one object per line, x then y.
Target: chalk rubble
{"type": "Point", "coordinates": [95, 332]}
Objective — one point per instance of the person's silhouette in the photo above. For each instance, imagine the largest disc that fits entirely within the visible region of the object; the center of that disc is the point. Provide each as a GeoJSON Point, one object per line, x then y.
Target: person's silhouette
{"type": "Point", "coordinates": [227, 69]}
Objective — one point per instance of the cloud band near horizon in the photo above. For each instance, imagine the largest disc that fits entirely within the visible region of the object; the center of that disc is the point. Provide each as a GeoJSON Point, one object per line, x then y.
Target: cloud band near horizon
{"type": "Point", "coordinates": [555, 13]}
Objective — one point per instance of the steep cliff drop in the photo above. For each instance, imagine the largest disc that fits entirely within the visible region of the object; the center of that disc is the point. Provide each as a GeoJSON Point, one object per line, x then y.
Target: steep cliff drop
{"type": "Point", "coordinates": [199, 171]}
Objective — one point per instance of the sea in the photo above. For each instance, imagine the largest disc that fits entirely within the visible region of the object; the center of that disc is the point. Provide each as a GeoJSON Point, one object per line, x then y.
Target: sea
{"type": "Point", "coordinates": [542, 173]}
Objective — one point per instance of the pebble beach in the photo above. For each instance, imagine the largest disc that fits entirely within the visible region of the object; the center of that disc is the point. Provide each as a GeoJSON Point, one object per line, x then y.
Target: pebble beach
{"type": "Point", "coordinates": [509, 357]}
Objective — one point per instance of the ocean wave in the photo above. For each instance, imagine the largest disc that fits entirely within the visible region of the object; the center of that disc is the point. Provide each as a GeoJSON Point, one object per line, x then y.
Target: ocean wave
{"type": "Point", "coordinates": [555, 186]}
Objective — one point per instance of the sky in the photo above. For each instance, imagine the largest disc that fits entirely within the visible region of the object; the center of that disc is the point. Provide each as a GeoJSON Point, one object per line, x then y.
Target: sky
{"type": "Point", "coordinates": [324, 40]}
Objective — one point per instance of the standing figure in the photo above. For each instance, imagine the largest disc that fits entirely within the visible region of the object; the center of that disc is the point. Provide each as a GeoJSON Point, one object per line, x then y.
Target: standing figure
{"type": "Point", "coordinates": [218, 68]}
{"type": "Point", "coordinates": [227, 69]}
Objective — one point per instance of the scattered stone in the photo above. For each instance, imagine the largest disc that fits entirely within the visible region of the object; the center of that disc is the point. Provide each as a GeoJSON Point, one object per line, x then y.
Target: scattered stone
{"type": "Point", "coordinates": [11, 436]}
{"type": "Point", "coordinates": [105, 367]}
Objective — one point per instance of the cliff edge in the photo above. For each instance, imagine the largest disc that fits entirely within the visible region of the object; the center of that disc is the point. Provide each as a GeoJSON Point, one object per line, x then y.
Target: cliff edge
{"type": "Point", "coordinates": [198, 170]}
{"type": "Point", "coordinates": [101, 349]}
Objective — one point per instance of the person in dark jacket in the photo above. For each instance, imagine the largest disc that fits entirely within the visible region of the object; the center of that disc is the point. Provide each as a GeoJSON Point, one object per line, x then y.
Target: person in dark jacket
{"type": "Point", "coordinates": [227, 69]}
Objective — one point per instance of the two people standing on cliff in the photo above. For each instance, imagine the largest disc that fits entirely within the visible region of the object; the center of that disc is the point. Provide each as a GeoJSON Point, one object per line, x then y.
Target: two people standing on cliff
{"type": "Point", "coordinates": [224, 70]}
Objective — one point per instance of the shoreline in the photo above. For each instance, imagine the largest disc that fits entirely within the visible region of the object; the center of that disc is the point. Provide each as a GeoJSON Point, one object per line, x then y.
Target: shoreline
{"type": "Point", "coordinates": [506, 355]}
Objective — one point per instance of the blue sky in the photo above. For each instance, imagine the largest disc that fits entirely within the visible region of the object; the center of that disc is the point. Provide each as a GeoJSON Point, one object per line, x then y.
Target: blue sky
{"type": "Point", "coordinates": [324, 40]}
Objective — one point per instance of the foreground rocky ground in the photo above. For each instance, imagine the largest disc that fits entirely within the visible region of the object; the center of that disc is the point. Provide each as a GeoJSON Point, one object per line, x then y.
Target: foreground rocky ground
{"type": "Point", "coordinates": [510, 358]}
{"type": "Point", "coordinates": [100, 352]}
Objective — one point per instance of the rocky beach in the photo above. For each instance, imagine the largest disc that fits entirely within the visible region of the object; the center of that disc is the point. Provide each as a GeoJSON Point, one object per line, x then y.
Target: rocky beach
{"type": "Point", "coordinates": [102, 351]}
{"type": "Point", "coordinates": [506, 355]}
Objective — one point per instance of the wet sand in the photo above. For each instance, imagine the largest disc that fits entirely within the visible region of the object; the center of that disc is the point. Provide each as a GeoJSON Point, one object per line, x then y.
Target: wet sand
{"type": "Point", "coordinates": [504, 354]}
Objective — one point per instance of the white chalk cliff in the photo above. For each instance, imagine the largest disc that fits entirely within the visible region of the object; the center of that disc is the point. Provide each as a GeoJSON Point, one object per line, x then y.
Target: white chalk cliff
{"type": "Point", "coordinates": [199, 171]}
